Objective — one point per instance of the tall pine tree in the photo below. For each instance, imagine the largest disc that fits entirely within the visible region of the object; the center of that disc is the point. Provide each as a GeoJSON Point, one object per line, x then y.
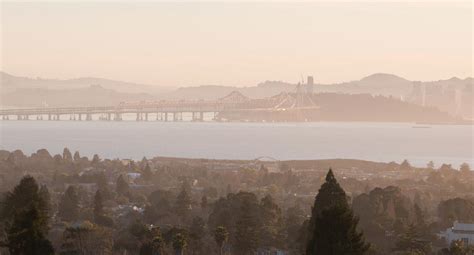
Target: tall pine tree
{"type": "Point", "coordinates": [25, 213]}
{"type": "Point", "coordinates": [332, 228]}
{"type": "Point", "coordinates": [69, 205]}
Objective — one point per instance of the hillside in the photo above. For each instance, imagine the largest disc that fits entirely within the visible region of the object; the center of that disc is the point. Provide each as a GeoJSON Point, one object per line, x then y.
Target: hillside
{"type": "Point", "coordinates": [10, 83]}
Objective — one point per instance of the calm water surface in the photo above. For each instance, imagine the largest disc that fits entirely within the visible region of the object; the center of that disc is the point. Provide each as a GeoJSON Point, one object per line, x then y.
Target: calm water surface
{"type": "Point", "coordinates": [128, 139]}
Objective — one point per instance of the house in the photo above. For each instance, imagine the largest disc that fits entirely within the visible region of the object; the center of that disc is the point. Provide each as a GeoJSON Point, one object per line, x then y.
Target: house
{"type": "Point", "coordinates": [459, 231]}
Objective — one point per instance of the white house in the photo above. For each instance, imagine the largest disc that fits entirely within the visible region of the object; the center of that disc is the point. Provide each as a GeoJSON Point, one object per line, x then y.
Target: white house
{"type": "Point", "coordinates": [459, 231]}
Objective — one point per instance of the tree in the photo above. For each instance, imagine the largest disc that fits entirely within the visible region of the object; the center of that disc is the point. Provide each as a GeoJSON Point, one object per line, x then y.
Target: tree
{"type": "Point", "coordinates": [147, 174]}
{"type": "Point", "coordinates": [412, 242]}
{"type": "Point", "coordinates": [69, 205]}
{"type": "Point", "coordinates": [77, 156]}
{"type": "Point", "coordinates": [333, 227]}
{"type": "Point", "coordinates": [455, 209]}
{"type": "Point", "coordinates": [95, 160]}
{"type": "Point", "coordinates": [179, 243]}
{"type": "Point", "coordinates": [103, 186]}
{"type": "Point", "coordinates": [25, 196]}
{"type": "Point", "coordinates": [25, 214]}
{"type": "Point", "coordinates": [446, 168]}
{"type": "Point", "coordinates": [420, 220]}
{"type": "Point", "coordinates": [336, 232]}
{"type": "Point", "coordinates": [457, 247]}
{"type": "Point", "coordinates": [405, 165]}
{"type": "Point", "coordinates": [465, 168]}
{"type": "Point", "coordinates": [247, 229]}
{"type": "Point", "coordinates": [295, 217]}
{"type": "Point", "coordinates": [26, 236]}
{"type": "Point", "coordinates": [98, 204]}
{"type": "Point", "coordinates": [157, 244]}
{"type": "Point", "coordinates": [271, 221]}
{"type": "Point", "coordinates": [196, 233]}
{"type": "Point", "coordinates": [221, 236]}
{"type": "Point", "coordinates": [183, 203]}
{"type": "Point", "coordinates": [86, 238]}
{"type": "Point", "coordinates": [204, 202]}
{"type": "Point", "coordinates": [67, 156]}
{"type": "Point", "coordinates": [154, 244]}
{"type": "Point", "coordinates": [430, 165]}
{"type": "Point", "coordinates": [122, 186]}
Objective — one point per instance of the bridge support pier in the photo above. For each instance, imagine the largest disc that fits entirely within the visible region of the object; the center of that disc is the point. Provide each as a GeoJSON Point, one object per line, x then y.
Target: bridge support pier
{"type": "Point", "coordinates": [118, 116]}
{"type": "Point", "coordinates": [88, 117]}
{"type": "Point", "coordinates": [198, 116]}
{"type": "Point", "coordinates": [175, 116]}
{"type": "Point", "coordinates": [166, 117]}
{"type": "Point", "coordinates": [146, 116]}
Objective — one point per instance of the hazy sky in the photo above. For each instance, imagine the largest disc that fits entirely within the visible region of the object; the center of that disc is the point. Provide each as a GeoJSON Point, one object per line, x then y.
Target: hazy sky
{"type": "Point", "coordinates": [238, 43]}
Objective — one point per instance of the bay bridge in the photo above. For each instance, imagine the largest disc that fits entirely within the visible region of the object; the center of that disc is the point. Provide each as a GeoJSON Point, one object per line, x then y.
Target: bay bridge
{"type": "Point", "coordinates": [165, 110]}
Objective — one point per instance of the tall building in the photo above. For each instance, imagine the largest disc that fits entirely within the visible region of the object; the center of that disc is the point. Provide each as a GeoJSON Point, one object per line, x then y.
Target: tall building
{"type": "Point", "coordinates": [309, 85]}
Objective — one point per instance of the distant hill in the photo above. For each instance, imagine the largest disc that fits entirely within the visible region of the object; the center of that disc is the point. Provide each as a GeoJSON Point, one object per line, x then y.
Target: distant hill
{"type": "Point", "coordinates": [94, 95]}
{"type": "Point", "coordinates": [375, 84]}
{"type": "Point", "coordinates": [23, 91]}
{"type": "Point", "coordinates": [16, 91]}
{"type": "Point", "coordinates": [10, 83]}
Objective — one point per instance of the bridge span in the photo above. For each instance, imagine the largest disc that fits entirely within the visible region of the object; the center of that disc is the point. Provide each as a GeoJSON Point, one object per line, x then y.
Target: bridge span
{"type": "Point", "coordinates": [163, 110]}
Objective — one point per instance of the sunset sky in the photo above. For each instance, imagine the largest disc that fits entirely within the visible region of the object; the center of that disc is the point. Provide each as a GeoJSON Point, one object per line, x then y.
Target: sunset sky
{"type": "Point", "coordinates": [236, 43]}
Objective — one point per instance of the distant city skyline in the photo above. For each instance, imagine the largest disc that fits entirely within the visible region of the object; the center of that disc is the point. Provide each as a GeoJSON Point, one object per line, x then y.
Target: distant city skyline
{"type": "Point", "coordinates": [238, 44]}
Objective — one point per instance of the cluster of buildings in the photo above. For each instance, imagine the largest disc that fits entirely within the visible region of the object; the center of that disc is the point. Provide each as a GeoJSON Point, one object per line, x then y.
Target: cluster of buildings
{"type": "Point", "coordinates": [456, 100]}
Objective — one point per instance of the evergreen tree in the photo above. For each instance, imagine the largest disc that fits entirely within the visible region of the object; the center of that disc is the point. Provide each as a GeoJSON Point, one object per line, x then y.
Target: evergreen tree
{"type": "Point", "coordinates": [204, 202]}
{"type": "Point", "coordinates": [430, 165]}
{"type": "Point", "coordinates": [25, 196]}
{"type": "Point", "coordinates": [25, 214]}
{"type": "Point", "coordinates": [26, 235]}
{"type": "Point", "coordinates": [69, 205]}
{"type": "Point", "coordinates": [196, 233]}
{"type": "Point", "coordinates": [67, 156]}
{"type": "Point", "coordinates": [333, 227]}
{"type": "Point", "coordinates": [98, 204]}
{"type": "Point", "coordinates": [420, 221]}
{"type": "Point", "coordinates": [77, 156]}
{"type": "Point", "coordinates": [405, 165]}
{"type": "Point", "coordinates": [122, 186]}
{"type": "Point", "coordinates": [271, 221]}
{"type": "Point", "coordinates": [46, 199]}
{"type": "Point", "coordinates": [103, 186]}
{"type": "Point", "coordinates": [95, 160]}
{"type": "Point", "coordinates": [147, 174]}
{"type": "Point", "coordinates": [221, 235]}
{"type": "Point", "coordinates": [246, 236]}
{"type": "Point", "coordinates": [183, 203]}
{"type": "Point", "coordinates": [412, 242]}
{"type": "Point", "coordinates": [336, 233]}
{"type": "Point", "coordinates": [293, 223]}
